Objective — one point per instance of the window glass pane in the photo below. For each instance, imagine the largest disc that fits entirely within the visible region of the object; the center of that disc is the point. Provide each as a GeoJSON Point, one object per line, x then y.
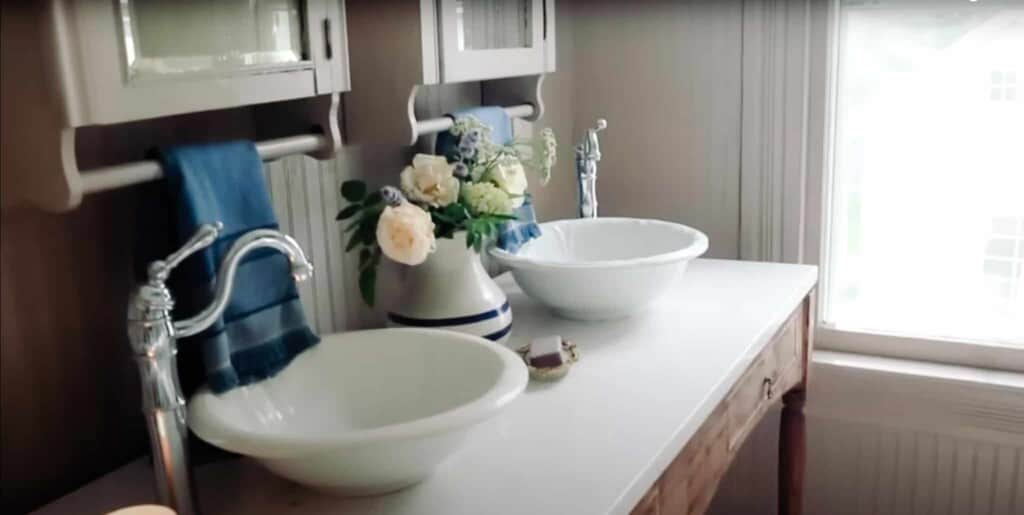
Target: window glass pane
{"type": "Point", "coordinates": [927, 203]}
{"type": "Point", "coordinates": [190, 36]}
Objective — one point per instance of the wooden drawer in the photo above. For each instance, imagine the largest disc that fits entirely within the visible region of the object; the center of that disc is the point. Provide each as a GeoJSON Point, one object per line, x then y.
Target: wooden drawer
{"type": "Point", "coordinates": [769, 375]}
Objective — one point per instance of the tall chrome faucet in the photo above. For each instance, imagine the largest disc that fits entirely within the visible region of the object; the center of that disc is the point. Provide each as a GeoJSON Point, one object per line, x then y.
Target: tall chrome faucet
{"type": "Point", "coordinates": [588, 153]}
{"type": "Point", "coordinates": [153, 336]}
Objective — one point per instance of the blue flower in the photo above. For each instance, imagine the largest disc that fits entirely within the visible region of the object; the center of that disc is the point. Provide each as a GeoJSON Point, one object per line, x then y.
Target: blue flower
{"type": "Point", "coordinates": [460, 170]}
{"type": "Point", "coordinates": [392, 196]}
{"type": "Point", "coordinates": [467, 147]}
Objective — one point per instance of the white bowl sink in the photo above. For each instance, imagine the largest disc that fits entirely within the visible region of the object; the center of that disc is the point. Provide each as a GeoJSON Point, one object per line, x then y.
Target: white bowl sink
{"type": "Point", "coordinates": [603, 268]}
{"type": "Point", "coordinates": [364, 412]}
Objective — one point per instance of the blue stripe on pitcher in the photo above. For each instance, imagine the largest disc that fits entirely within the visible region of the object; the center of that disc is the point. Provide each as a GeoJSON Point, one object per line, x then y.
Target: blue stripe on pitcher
{"type": "Point", "coordinates": [445, 322]}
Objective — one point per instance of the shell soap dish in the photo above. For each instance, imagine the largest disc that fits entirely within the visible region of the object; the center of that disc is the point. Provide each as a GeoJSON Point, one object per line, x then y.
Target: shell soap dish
{"type": "Point", "coordinates": [549, 358]}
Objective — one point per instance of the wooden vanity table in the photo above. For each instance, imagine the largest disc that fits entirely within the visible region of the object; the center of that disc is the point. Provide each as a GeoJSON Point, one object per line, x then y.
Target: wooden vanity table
{"type": "Point", "coordinates": [778, 372]}
{"type": "Point", "coordinates": [647, 422]}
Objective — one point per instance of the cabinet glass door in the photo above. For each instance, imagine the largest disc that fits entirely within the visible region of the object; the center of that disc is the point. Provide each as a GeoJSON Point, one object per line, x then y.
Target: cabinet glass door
{"type": "Point", "coordinates": [191, 37]}
{"type": "Point", "coordinates": [492, 24]}
{"type": "Point", "coordinates": [486, 39]}
{"type": "Point", "coordinates": [151, 58]}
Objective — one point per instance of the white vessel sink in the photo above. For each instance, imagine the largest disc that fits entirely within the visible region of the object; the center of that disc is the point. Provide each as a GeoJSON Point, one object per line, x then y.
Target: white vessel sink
{"type": "Point", "coordinates": [603, 268]}
{"type": "Point", "coordinates": [364, 412]}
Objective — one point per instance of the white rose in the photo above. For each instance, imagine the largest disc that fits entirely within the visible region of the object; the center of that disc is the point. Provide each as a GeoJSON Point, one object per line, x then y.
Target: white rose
{"type": "Point", "coordinates": [430, 181]}
{"type": "Point", "coordinates": [405, 234]}
{"type": "Point", "coordinates": [509, 175]}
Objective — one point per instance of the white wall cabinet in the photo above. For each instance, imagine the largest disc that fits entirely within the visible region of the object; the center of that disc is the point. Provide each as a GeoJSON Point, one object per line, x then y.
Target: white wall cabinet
{"type": "Point", "coordinates": [492, 39]}
{"type": "Point", "coordinates": [127, 60]}
{"type": "Point", "coordinates": [118, 71]}
{"type": "Point", "coordinates": [399, 45]}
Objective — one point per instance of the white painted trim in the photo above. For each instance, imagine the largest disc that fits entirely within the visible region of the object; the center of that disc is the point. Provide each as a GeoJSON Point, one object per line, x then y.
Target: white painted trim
{"type": "Point", "coordinates": [550, 50]}
{"type": "Point", "coordinates": [821, 89]}
{"type": "Point", "coordinates": [776, 63]}
{"type": "Point", "coordinates": [429, 42]}
{"type": "Point", "coordinates": [968, 353]}
{"type": "Point", "coordinates": [955, 400]}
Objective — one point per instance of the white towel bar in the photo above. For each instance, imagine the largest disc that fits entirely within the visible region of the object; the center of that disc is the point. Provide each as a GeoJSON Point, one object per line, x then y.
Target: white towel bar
{"type": "Point", "coordinates": [117, 176]}
{"type": "Point", "coordinates": [113, 177]}
{"type": "Point", "coordinates": [435, 125]}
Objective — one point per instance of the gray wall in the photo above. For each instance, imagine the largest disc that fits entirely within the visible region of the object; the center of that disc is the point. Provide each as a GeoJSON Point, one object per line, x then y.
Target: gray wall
{"type": "Point", "coordinates": [666, 76]}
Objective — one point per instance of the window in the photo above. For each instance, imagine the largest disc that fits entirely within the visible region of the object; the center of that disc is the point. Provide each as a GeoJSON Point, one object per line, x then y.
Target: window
{"type": "Point", "coordinates": [925, 202]}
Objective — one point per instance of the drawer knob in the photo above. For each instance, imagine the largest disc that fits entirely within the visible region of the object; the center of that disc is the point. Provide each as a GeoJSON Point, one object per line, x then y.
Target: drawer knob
{"type": "Point", "coordinates": [768, 387]}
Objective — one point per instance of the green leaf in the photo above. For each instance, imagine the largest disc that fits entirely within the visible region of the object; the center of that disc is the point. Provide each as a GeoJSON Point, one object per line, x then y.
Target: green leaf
{"type": "Point", "coordinates": [367, 233]}
{"type": "Point", "coordinates": [456, 211]}
{"type": "Point", "coordinates": [354, 190]}
{"type": "Point", "coordinates": [353, 241]}
{"type": "Point", "coordinates": [438, 216]}
{"type": "Point", "coordinates": [373, 199]}
{"type": "Point", "coordinates": [352, 226]}
{"type": "Point", "coordinates": [348, 212]}
{"type": "Point", "coordinates": [368, 285]}
{"type": "Point", "coordinates": [365, 256]}
{"type": "Point", "coordinates": [500, 217]}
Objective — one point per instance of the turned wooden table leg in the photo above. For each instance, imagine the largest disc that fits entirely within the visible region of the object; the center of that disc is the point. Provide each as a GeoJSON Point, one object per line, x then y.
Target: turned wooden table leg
{"type": "Point", "coordinates": [792, 453]}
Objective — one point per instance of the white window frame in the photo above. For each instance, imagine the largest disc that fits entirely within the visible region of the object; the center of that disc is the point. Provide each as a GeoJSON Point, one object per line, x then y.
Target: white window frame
{"type": "Point", "coordinates": [786, 170]}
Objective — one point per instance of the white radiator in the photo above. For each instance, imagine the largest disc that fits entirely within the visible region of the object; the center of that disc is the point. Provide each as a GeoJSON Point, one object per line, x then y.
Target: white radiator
{"type": "Point", "coordinates": [889, 445]}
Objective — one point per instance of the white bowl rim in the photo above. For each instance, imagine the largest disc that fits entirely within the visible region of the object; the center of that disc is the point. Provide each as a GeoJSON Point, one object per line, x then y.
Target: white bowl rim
{"type": "Point", "coordinates": [510, 383]}
{"type": "Point", "coordinates": [694, 250]}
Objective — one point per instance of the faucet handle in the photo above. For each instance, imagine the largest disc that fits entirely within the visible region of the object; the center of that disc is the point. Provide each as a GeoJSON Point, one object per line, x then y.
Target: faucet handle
{"type": "Point", "coordinates": [590, 147]}
{"type": "Point", "coordinates": [204, 237]}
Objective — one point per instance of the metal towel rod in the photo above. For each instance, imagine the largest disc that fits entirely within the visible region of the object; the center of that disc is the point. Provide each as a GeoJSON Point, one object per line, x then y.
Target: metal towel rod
{"type": "Point", "coordinates": [113, 177]}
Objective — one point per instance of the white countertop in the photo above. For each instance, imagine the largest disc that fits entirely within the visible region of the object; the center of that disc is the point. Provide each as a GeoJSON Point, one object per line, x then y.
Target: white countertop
{"type": "Point", "coordinates": [590, 444]}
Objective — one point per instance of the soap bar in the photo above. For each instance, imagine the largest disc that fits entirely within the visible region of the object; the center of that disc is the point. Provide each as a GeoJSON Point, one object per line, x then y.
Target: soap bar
{"type": "Point", "coordinates": [546, 352]}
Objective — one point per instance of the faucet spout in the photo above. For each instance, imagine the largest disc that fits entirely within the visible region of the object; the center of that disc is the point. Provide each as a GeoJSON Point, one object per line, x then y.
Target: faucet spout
{"type": "Point", "coordinates": [588, 153]}
{"type": "Point", "coordinates": [301, 269]}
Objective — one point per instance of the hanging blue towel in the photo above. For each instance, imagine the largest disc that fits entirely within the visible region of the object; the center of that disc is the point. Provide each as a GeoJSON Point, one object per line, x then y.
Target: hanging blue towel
{"type": "Point", "coordinates": [263, 327]}
{"type": "Point", "coordinates": [493, 116]}
{"type": "Point", "coordinates": [511, 235]}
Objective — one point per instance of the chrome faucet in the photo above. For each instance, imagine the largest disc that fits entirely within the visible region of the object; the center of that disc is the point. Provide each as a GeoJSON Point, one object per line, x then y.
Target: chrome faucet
{"type": "Point", "coordinates": [588, 153]}
{"type": "Point", "coordinates": [153, 336]}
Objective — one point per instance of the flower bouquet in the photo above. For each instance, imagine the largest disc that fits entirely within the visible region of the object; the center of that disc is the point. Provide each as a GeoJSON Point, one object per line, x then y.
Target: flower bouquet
{"type": "Point", "coordinates": [476, 187]}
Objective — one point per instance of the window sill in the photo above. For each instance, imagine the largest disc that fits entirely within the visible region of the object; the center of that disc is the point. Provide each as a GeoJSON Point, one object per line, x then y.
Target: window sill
{"type": "Point", "coordinates": [995, 356]}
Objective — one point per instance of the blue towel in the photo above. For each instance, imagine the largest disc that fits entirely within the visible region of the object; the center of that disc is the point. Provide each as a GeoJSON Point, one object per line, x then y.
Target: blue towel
{"type": "Point", "coordinates": [263, 327]}
{"type": "Point", "coordinates": [494, 116]}
{"type": "Point", "coordinates": [511, 235]}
